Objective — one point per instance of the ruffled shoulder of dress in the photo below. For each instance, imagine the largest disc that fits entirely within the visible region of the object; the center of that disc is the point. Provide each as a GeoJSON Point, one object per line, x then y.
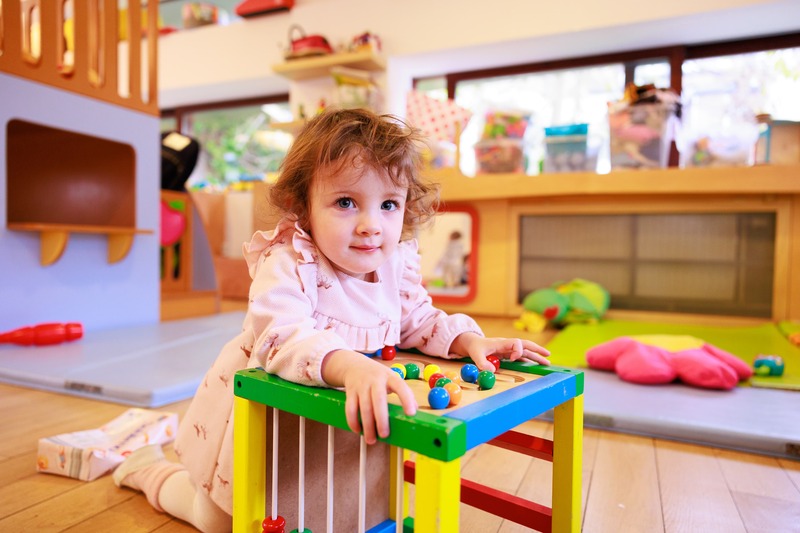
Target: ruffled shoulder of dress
{"type": "Point", "coordinates": [409, 251]}
{"type": "Point", "coordinates": [286, 231]}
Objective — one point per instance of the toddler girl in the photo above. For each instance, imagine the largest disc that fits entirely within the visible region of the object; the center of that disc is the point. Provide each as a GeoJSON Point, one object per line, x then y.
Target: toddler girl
{"type": "Point", "coordinates": [338, 277]}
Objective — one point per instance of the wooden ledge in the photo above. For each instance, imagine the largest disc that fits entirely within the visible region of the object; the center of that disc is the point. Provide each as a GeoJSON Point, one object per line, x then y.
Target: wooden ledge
{"type": "Point", "coordinates": [53, 239]}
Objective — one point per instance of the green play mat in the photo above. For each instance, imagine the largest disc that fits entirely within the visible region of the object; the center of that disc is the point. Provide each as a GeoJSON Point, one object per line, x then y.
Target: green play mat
{"type": "Point", "coordinates": [569, 347]}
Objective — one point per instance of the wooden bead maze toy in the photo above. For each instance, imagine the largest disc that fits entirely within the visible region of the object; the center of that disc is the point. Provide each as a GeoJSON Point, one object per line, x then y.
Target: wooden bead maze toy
{"type": "Point", "coordinates": [439, 437]}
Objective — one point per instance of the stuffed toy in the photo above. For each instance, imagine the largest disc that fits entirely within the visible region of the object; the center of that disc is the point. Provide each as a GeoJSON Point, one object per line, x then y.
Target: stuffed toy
{"type": "Point", "coordinates": [576, 301]}
{"type": "Point", "coordinates": [654, 359]}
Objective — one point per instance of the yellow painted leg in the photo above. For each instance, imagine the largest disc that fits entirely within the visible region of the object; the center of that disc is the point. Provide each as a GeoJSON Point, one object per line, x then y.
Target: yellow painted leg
{"type": "Point", "coordinates": [395, 482]}
{"type": "Point", "coordinates": [567, 460]}
{"type": "Point", "coordinates": [437, 495]}
{"type": "Point", "coordinates": [249, 464]}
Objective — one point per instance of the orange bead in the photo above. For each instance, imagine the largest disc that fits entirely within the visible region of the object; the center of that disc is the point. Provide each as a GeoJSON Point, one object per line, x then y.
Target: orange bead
{"type": "Point", "coordinates": [455, 392]}
{"type": "Point", "coordinates": [454, 375]}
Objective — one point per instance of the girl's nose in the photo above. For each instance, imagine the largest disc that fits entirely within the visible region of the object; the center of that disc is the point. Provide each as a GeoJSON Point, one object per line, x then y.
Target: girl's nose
{"type": "Point", "coordinates": [369, 224]}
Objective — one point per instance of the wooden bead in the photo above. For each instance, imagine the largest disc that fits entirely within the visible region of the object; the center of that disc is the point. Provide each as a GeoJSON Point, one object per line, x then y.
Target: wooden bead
{"type": "Point", "coordinates": [388, 353]}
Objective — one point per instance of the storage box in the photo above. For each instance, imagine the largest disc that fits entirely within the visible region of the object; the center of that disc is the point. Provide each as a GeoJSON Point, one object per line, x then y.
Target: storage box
{"type": "Point", "coordinates": [779, 143]}
{"type": "Point", "coordinates": [495, 156]}
{"type": "Point", "coordinates": [640, 135]}
{"type": "Point", "coordinates": [566, 149]}
{"type": "Point", "coordinates": [87, 455]}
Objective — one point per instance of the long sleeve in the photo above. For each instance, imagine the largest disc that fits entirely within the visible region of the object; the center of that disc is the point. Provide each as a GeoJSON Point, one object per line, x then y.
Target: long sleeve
{"type": "Point", "coordinates": [281, 313]}
{"type": "Point", "coordinates": [423, 326]}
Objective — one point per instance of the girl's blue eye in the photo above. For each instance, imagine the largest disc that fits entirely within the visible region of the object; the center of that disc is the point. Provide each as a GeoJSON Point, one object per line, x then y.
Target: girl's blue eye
{"type": "Point", "coordinates": [344, 203]}
{"type": "Point", "coordinates": [389, 205]}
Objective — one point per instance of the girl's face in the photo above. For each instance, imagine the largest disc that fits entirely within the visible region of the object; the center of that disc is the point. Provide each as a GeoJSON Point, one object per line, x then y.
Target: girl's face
{"type": "Point", "coordinates": [356, 217]}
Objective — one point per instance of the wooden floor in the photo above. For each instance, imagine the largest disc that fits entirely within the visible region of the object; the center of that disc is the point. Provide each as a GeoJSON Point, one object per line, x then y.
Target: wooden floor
{"type": "Point", "coordinates": [630, 483]}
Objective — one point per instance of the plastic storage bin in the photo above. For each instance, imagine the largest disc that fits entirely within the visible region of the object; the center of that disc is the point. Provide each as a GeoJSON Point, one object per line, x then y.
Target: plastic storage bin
{"type": "Point", "coordinates": [640, 135]}
{"type": "Point", "coordinates": [495, 156]}
{"type": "Point", "coordinates": [566, 149]}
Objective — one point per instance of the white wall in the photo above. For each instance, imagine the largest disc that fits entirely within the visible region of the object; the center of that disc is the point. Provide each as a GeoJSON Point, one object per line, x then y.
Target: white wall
{"type": "Point", "coordinates": [430, 37]}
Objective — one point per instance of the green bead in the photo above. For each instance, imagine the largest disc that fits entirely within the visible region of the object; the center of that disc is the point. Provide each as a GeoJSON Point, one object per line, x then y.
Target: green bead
{"type": "Point", "coordinates": [486, 380]}
{"type": "Point", "coordinates": [441, 382]}
{"type": "Point", "coordinates": [412, 371]}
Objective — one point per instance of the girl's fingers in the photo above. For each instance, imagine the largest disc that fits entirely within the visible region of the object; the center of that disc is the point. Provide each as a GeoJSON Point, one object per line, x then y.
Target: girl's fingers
{"type": "Point", "coordinates": [351, 413]}
{"type": "Point", "coordinates": [368, 421]}
{"type": "Point", "coordinates": [380, 410]}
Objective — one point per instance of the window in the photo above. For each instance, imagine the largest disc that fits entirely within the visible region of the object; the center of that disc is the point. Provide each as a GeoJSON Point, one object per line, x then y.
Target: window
{"type": "Point", "coordinates": [723, 87]}
{"type": "Point", "coordinates": [239, 141]}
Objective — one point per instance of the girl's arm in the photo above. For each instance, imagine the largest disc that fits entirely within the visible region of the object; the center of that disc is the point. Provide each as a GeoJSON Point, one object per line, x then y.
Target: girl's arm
{"type": "Point", "coordinates": [366, 383]}
{"type": "Point", "coordinates": [477, 348]}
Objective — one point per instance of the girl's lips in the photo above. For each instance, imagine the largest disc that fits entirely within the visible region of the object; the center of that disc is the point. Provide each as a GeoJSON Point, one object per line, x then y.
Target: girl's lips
{"type": "Point", "coordinates": [366, 248]}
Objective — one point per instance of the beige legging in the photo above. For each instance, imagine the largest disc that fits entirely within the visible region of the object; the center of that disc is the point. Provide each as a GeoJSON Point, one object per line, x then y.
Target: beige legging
{"type": "Point", "coordinates": [180, 498]}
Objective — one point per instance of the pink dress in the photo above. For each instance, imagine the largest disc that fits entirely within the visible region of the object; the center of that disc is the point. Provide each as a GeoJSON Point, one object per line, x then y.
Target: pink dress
{"type": "Point", "coordinates": [300, 310]}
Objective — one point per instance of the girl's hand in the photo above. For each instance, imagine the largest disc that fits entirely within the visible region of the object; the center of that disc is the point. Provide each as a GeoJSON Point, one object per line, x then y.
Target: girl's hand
{"type": "Point", "coordinates": [477, 348]}
{"type": "Point", "coordinates": [366, 384]}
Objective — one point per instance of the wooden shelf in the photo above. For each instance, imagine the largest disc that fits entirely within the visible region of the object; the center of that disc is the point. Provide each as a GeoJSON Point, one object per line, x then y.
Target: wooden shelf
{"type": "Point", "coordinates": [762, 179]}
{"type": "Point", "coordinates": [292, 127]}
{"type": "Point", "coordinates": [320, 66]}
{"type": "Point", "coordinates": [53, 239]}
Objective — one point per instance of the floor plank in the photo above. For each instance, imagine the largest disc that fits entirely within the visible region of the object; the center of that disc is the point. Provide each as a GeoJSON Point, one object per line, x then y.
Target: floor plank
{"type": "Point", "coordinates": [624, 493]}
{"type": "Point", "coordinates": [689, 474]}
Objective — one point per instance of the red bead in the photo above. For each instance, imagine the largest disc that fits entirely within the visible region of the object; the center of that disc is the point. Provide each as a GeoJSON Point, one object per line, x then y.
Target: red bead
{"type": "Point", "coordinates": [494, 360]}
{"type": "Point", "coordinates": [388, 353]}
{"type": "Point", "coordinates": [273, 525]}
{"type": "Point", "coordinates": [434, 378]}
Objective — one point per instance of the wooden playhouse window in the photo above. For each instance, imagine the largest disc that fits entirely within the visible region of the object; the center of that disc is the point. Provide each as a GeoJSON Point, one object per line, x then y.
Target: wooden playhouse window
{"type": "Point", "coordinates": [61, 182]}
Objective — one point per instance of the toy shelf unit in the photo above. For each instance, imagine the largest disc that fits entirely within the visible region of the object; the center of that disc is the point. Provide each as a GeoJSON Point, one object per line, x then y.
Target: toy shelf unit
{"type": "Point", "coordinates": [320, 66]}
{"type": "Point", "coordinates": [60, 182]}
{"type": "Point", "coordinates": [438, 438]}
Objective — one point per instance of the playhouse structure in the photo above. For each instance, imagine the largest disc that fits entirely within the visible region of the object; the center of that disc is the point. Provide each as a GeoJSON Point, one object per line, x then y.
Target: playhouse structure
{"type": "Point", "coordinates": [79, 163]}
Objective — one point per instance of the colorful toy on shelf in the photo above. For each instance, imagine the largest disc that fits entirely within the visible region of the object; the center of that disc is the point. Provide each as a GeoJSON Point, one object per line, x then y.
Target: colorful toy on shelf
{"type": "Point", "coordinates": [768, 365]}
{"type": "Point", "coordinates": [43, 334]}
{"type": "Point", "coordinates": [302, 45]}
{"type": "Point", "coordinates": [252, 8]}
{"type": "Point", "coordinates": [365, 41]}
{"type": "Point", "coordinates": [576, 301]}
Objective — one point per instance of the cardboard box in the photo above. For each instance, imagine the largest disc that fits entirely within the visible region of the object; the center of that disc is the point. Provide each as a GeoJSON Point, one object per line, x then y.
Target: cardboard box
{"type": "Point", "coordinates": [779, 143]}
{"type": "Point", "coordinates": [87, 455]}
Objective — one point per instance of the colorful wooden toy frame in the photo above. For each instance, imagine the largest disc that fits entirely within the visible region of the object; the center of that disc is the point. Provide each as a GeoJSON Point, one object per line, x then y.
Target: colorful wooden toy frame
{"type": "Point", "coordinates": [439, 440]}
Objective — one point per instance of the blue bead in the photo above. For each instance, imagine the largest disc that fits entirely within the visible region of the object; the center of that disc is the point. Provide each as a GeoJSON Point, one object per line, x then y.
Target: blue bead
{"type": "Point", "coordinates": [438, 398]}
{"type": "Point", "coordinates": [469, 373]}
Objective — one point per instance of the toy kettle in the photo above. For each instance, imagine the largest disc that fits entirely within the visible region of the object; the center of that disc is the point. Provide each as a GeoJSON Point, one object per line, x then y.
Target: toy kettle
{"type": "Point", "coordinates": [302, 45]}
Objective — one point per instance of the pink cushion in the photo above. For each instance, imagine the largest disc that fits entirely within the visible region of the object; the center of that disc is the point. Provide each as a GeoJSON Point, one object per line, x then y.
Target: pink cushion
{"type": "Point", "coordinates": [637, 362]}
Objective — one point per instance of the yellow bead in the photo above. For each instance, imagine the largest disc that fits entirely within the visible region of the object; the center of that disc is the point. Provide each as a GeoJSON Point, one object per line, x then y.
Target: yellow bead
{"type": "Point", "coordinates": [400, 369]}
{"type": "Point", "coordinates": [429, 371]}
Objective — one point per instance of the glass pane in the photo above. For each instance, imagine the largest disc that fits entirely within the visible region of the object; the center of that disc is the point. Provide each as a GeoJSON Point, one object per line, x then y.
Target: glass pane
{"type": "Point", "coordinates": [554, 98]}
{"type": "Point", "coordinates": [433, 87]}
{"type": "Point", "coordinates": [656, 73]}
{"type": "Point", "coordinates": [722, 96]}
{"type": "Point", "coordinates": [238, 143]}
